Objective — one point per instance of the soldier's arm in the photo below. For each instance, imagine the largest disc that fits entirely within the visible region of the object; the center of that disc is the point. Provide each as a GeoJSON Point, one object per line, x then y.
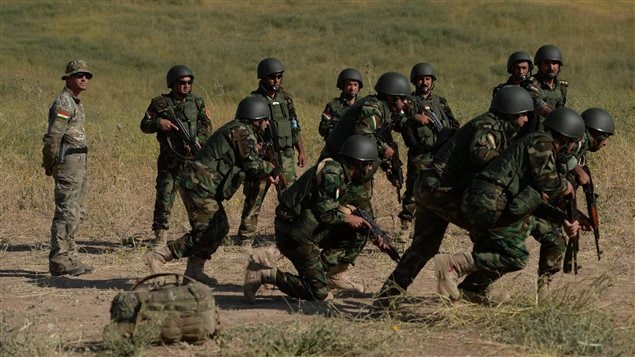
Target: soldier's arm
{"type": "Point", "coordinates": [151, 121]}
{"type": "Point", "coordinates": [485, 146]}
{"type": "Point", "coordinates": [327, 121]}
{"type": "Point", "coordinates": [543, 169]}
{"type": "Point", "coordinates": [370, 125]}
{"type": "Point", "coordinates": [246, 145]}
{"type": "Point", "coordinates": [328, 195]}
{"type": "Point", "coordinates": [533, 87]}
{"type": "Point", "coordinates": [59, 115]}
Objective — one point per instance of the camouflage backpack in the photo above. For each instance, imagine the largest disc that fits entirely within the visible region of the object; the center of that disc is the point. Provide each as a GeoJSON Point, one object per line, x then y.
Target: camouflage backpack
{"type": "Point", "coordinates": [165, 312]}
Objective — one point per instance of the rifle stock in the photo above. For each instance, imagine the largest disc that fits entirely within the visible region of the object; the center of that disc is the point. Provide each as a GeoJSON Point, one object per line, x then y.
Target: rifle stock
{"type": "Point", "coordinates": [378, 234]}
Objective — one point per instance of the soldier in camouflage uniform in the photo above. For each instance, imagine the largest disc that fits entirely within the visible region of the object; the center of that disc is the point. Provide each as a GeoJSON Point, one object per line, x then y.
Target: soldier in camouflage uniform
{"type": "Point", "coordinates": [374, 116]}
{"type": "Point", "coordinates": [285, 120]}
{"type": "Point", "coordinates": [310, 218]}
{"type": "Point", "coordinates": [499, 202]}
{"type": "Point", "coordinates": [173, 152]}
{"type": "Point", "coordinates": [350, 82]}
{"type": "Point", "coordinates": [217, 171]}
{"type": "Point", "coordinates": [434, 123]}
{"type": "Point", "coordinates": [548, 90]}
{"type": "Point", "coordinates": [439, 189]}
{"type": "Point", "coordinates": [519, 66]}
{"type": "Point", "coordinates": [64, 157]}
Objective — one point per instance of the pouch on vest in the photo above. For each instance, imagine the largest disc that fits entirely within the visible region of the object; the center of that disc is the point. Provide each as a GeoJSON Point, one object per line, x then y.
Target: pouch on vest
{"type": "Point", "coordinates": [164, 312]}
{"type": "Point", "coordinates": [233, 177]}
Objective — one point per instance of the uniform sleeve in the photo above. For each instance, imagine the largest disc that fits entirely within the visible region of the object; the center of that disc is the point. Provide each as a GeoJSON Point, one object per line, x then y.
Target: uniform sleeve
{"type": "Point", "coordinates": [152, 117]}
{"type": "Point", "coordinates": [543, 169]}
{"type": "Point", "coordinates": [327, 121]}
{"type": "Point", "coordinates": [245, 144]}
{"type": "Point", "coordinates": [533, 87]}
{"type": "Point", "coordinates": [204, 126]}
{"type": "Point", "coordinates": [328, 196]}
{"type": "Point", "coordinates": [370, 124]}
{"type": "Point", "coordinates": [59, 115]}
{"type": "Point", "coordinates": [485, 146]}
{"type": "Point", "coordinates": [448, 113]}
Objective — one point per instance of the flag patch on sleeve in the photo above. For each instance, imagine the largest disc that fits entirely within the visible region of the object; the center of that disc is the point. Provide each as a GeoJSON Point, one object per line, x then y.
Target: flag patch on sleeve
{"type": "Point", "coordinates": [62, 114]}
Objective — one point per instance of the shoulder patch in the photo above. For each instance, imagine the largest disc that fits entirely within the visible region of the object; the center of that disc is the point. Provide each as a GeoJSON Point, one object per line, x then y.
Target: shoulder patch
{"type": "Point", "coordinates": [564, 83]}
{"type": "Point", "coordinates": [62, 114]}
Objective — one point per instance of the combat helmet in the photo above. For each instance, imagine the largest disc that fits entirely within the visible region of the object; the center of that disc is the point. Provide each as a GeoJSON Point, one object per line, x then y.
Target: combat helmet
{"type": "Point", "coordinates": [176, 72]}
{"type": "Point", "coordinates": [566, 122]}
{"type": "Point", "coordinates": [599, 120]}
{"type": "Point", "coordinates": [519, 56]}
{"type": "Point", "coordinates": [512, 100]}
{"type": "Point", "coordinates": [351, 74]}
{"type": "Point", "coordinates": [252, 108]}
{"type": "Point", "coordinates": [269, 66]}
{"type": "Point", "coordinates": [393, 83]}
{"type": "Point", "coordinates": [422, 69]}
{"type": "Point", "coordinates": [360, 148]}
{"type": "Point", "coordinates": [548, 53]}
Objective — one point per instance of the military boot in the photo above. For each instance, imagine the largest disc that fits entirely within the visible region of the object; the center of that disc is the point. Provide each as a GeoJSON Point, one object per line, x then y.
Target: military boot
{"type": "Point", "coordinates": [542, 288]}
{"type": "Point", "coordinates": [195, 269]}
{"type": "Point", "coordinates": [259, 271]}
{"type": "Point", "coordinates": [489, 297]}
{"type": "Point", "coordinates": [65, 264]}
{"type": "Point", "coordinates": [448, 269]}
{"type": "Point", "coordinates": [160, 237]}
{"type": "Point", "coordinates": [154, 260]}
{"type": "Point", "coordinates": [338, 279]}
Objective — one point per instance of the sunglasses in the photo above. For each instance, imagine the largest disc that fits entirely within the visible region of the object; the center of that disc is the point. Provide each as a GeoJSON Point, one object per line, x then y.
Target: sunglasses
{"type": "Point", "coordinates": [182, 83]}
{"type": "Point", "coordinates": [275, 76]}
{"type": "Point", "coordinates": [82, 75]}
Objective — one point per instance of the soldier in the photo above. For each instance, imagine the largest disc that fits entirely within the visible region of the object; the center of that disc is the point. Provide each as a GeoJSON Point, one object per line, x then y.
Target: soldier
{"type": "Point", "coordinates": [287, 129]}
{"type": "Point", "coordinates": [599, 126]}
{"type": "Point", "coordinates": [547, 89]}
{"type": "Point", "coordinates": [64, 157]}
{"type": "Point", "coordinates": [499, 202]}
{"type": "Point", "coordinates": [216, 172]}
{"type": "Point", "coordinates": [309, 218]}
{"type": "Point", "coordinates": [519, 66]}
{"type": "Point", "coordinates": [438, 190]}
{"type": "Point", "coordinates": [350, 82]}
{"type": "Point", "coordinates": [433, 125]}
{"type": "Point", "coordinates": [374, 116]}
{"type": "Point", "coordinates": [161, 118]}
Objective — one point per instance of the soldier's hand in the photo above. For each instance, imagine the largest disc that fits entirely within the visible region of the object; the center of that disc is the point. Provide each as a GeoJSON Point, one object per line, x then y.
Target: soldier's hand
{"type": "Point", "coordinates": [571, 228]}
{"type": "Point", "coordinates": [422, 119]}
{"type": "Point", "coordinates": [582, 177]}
{"type": "Point", "coordinates": [301, 159]}
{"type": "Point", "coordinates": [355, 222]}
{"type": "Point", "coordinates": [274, 180]}
{"type": "Point", "coordinates": [389, 152]}
{"type": "Point", "coordinates": [381, 244]}
{"type": "Point", "coordinates": [166, 125]}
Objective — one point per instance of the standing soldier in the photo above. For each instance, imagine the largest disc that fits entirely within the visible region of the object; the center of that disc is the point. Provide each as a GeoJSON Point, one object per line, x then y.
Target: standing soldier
{"type": "Point", "coordinates": [433, 124]}
{"type": "Point", "coordinates": [64, 158]}
{"type": "Point", "coordinates": [499, 202]}
{"type": "Point", "coordinates": [182, 124]}
{"type": "Point", "coordinates": [310, 216]}
{"type": "Point", "coordinates": [547, 89]}
{"type": "Point", "coordinates": [286, 139]}
{"type": "Point", "coordinates": [519, 66]}
{"type": "Point", "coordinates": [217, 171]}
{"type": "Point", "coordinates": [350, 82]}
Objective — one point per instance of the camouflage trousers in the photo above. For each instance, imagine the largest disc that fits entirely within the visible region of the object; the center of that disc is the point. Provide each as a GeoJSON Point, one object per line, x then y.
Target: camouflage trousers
{"type": "Point", "coordinates": [497, 251]}
{"type": "Point", "coordinates": [255, 192]}
{"type": "Point", "coordinates": [552, 245]}
{"type": "Point", "coordinates": [209, 226]}
{"type": "Point", "coordinates": [310, 247]}
{"type": "Point", "coordinates": [166, 191]}
{"type": "Point", "coordinates": [71, 186]}
{"type": "Point", "coordinates": [416, 163]}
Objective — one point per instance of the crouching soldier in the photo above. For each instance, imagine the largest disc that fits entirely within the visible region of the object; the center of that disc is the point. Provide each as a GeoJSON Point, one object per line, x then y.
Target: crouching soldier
{"type": "Point", "coordinates": [309, 219]}
{"type": "Point", "coordinates": [214, 175]}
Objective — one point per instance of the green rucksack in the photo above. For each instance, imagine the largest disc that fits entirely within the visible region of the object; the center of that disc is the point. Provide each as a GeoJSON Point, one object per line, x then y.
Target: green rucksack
{"type": "Point", "coordinates": [181, 311]}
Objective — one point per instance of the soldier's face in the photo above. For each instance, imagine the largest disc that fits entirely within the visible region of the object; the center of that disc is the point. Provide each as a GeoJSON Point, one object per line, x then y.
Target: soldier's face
{"type": "Point", "coordinates": [77, 82]}
{"type": "Point", "coordinates": [273, 81]}
{"type": "Point", "coordinates": [520, 70]}
{"type": "Point", "coordinates": [183, 86]}
{"type": "Point", "coordinates": [424, 83]}
{"type": "Point", "coordinates": [521, 119]}
{"type": "Point", "coordinates": [549, 69]}
{"type": "Point", "coordinates": [598, 141]}
{"type": "Point", "coordinates": [397, 103]}
{"type": "Point", "coordinates": [262, 124]}
{"type": "Point", "coordinates": [350, 88]}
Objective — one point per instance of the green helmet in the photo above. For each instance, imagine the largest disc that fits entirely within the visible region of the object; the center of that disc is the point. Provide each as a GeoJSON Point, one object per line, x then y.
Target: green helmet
{"type": "Point", "coordinates": [253, 108]}
{"type": "Point", "coordinates": [393, 83]}
{"type": "Point", "coordinates": [566, 122]}
{"type": "Point", "coordinates": [269, 66]}
{"type": "Point", "coordinates": [360, 148]}
{"type": "Point", "coordinates": [599, 120]}
{"type": "Point", "coordinates": [549, 53]}
{"type": "Point", "coordinates": [512, 100]}
{"type": "Point", "coordinates": [422, 69]}
{"type": "Point", "coordinates": [351, 74]}
{"type": "Point", "coordinates": [519, 56]}
{"type": "Point", "coordinates": [176, 72]}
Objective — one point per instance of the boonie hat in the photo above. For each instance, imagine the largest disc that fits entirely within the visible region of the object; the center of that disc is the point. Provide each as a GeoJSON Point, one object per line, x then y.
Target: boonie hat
{"type": "Point", "coordinates": [77, 66]}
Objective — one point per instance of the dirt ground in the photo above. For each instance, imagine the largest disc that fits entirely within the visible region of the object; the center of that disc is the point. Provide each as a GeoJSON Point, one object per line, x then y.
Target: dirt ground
{"type": "Point", "coordinates": [76, 309]}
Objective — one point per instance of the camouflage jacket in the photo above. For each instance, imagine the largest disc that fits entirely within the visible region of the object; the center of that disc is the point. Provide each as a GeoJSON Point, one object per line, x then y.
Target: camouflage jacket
{"type": "Point", "coordinates": [423, 138]}
{"type": "Point", "coordinates": [510, 82]}
{"type": "Point", "coordinates": [332, 114]}
{"type": "Point", "coordinates": [529, 162]}
{"type": "Point", "coordinates": [542, 94]}
{"type": "Point", "coordinates": [284, 116]}
{"type": "Point", "coordinates": [370, 117]}
{"type": "Point", "coordinates": [66, 123]}
{"type": "Point", "coordinates": [230, 154]}
{"type": "Point", "coordinates": [471, 148]}
{"type": "Point", "coordinates": [192, 112]}
{"type": "Point", "coordinates": [318, 190]}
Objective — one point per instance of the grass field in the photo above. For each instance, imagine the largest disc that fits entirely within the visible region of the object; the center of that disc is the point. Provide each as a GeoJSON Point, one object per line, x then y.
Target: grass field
{"type": "Point", "coordinates": [129, 46]}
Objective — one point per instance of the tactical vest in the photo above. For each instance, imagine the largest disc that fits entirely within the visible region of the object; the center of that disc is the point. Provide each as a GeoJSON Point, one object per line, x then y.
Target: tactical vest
{"type": "Point", "coordinates": [279, 109]}
{"type": "Point", "coordinates": [346, 126]}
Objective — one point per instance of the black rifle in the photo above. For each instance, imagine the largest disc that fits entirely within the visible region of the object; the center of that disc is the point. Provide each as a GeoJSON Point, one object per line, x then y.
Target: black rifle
{"type": "Point", "coordinates": [273, 155]}
{"type": "Point", "coordinates": [592, 210]}
{"type": "Point", "coordinates": [395, 165]}
{"type": "Point", "coordinates": [573, 244]}
{"type": "Point", "coordinates": [184, 133]}
{"type": "Point", "coordinates": [378, 234]}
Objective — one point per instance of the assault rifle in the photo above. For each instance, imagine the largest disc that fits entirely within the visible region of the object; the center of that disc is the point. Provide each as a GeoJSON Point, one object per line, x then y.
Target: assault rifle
{"type": "Point", "coordinates": [184, 133]}
{"type": "Point", "coordinates": [592, 210]}
{"type": "Point", "coordinates": [395, 165]}
{"type": "Point", "coordinates": [378, 234]}
{"type": "Point", "coordinates": [274, 156]}
{"type": "Point", "coordinates": [573, 244]}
